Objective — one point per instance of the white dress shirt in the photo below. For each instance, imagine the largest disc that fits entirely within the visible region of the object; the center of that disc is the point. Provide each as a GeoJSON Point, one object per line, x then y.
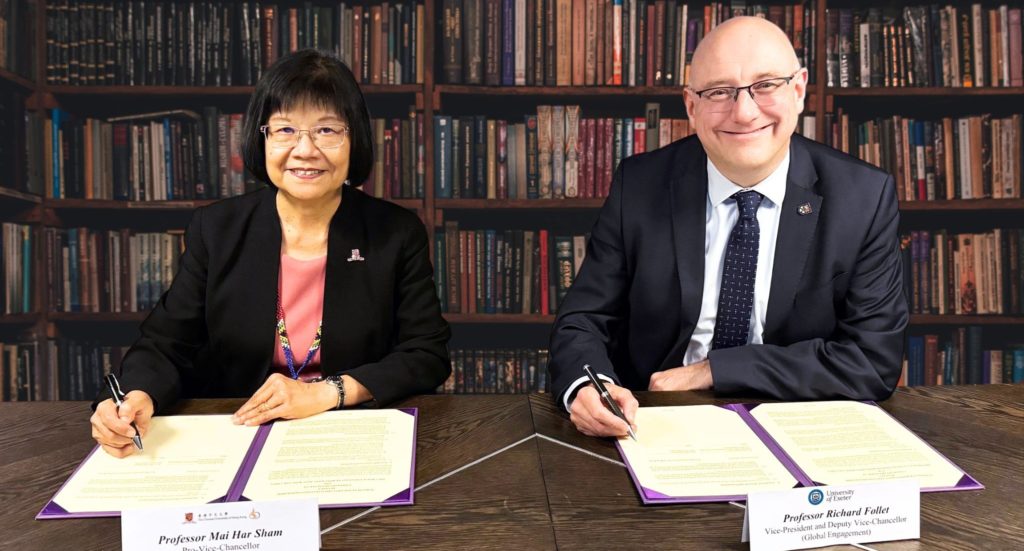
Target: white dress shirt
{"type": "Point", "coordinates": [721, 216]}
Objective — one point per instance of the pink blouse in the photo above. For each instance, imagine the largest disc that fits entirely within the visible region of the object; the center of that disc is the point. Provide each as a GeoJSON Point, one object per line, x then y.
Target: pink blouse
{"type": "Point", "coordinates": [301, 288]}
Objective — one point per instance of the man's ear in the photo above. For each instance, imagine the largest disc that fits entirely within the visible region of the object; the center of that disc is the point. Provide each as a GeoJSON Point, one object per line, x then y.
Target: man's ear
{"type": "Point", "coordinates": [800, 89]}
{"type": "Point", "coordinates": [689, 100]}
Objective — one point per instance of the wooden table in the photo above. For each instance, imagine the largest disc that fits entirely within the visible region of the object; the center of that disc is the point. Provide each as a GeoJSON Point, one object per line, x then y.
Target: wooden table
{"type": "Point", "coordinates": [510, 472]}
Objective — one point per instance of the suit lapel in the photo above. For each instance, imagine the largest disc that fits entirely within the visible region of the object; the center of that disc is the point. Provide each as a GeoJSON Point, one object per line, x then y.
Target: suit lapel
{"type": "Point", "coordinates": [689, 191]}
{"type": "Point", "coordinates": [796, 232]}
{"type": "Point", "coordinates": [259, 325]}
{"type": "Point", "coordinates": [347, 282]}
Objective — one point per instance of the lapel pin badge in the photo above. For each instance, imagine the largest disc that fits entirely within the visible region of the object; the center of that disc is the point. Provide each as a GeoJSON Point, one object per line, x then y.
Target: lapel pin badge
{"type": "Point", "coordinates": [355, 257]}
{"type": "Point", "coordinates": [805, 209]}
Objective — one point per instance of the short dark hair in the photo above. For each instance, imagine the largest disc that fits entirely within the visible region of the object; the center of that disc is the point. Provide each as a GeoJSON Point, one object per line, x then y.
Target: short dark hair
{"type": "Point", "coordinates": [309, 77]}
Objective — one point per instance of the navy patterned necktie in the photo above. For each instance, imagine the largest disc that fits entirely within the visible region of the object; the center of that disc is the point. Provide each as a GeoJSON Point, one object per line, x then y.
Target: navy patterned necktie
{"type": "Point", "coordinates": [736, 294]}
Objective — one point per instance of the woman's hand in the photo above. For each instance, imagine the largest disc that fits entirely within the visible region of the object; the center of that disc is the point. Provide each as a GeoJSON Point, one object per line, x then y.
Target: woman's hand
{"type": "Point", "coordinates": [111, 426]}
{"type": "Point", "coordinates": [284, 398]}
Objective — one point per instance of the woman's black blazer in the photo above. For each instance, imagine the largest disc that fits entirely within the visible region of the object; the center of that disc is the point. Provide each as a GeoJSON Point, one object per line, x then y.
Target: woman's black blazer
{"type": "Point", "coordinates": [212, 334]}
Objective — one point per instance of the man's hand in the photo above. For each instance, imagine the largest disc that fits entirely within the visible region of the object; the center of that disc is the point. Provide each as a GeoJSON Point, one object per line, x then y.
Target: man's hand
{"type": "Point", "coordinates": [593, 418]}
{"type": "Point", "coordinates": [688, 377]}
{"type": "Point", "coordinates": [111, 426]}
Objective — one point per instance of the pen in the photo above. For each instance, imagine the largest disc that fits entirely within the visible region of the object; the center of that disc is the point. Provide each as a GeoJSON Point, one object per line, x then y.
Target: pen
{"type": "Point", "coordinates": [608, 399]}
{"type": "Point", "coordinates": [115, 391]}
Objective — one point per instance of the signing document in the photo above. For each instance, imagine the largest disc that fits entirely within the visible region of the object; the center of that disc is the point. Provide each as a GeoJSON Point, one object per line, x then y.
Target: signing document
{"type": "Point", "coordinates": [722, 453]}
{"type": "Point", "coordinates": [341, 458]}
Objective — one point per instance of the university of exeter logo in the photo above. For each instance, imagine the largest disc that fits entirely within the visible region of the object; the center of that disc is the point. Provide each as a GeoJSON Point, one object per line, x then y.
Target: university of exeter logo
{"type": "Point", "coordinates": [815, 497]}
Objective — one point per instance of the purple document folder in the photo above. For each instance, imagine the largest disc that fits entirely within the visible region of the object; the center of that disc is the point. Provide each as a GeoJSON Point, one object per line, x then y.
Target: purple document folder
{"type": "Point", "coordinates": [650, 497]}
{"type": "Point", "coordinates": [235, 491]}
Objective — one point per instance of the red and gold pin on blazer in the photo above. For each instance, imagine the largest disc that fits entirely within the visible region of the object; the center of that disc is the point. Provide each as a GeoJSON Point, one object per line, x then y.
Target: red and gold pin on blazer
{"type": "Point", "coordinates": [355, 257]}
{"type": "Point", "coordinates": [805, 209]}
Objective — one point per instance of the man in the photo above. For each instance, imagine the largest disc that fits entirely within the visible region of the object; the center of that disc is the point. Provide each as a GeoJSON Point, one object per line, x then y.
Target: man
{"type": "Point", "coordinates": [745, 259]}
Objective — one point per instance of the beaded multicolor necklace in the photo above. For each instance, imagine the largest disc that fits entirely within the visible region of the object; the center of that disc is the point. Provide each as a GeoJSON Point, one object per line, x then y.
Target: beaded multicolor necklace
{"type": "Point", "coordinates": [282, 334]}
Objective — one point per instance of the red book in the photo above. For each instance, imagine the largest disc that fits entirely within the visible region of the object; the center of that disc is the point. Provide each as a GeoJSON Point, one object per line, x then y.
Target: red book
{"type": "Point", "coordinates": [606, 176]}
{"type": "Point", "coordinates": [588, 162]}
{"type": "Point", "coordinates": [464, 272]}
{"type": "Point", "coordinates": [395, 169]}
{"type": "Point", "coordinates": [649, 24]}
{"type": "Point", "coordinates": [357, 43]}
{"type": "Point", "coordinates": [598, 154]}
{"type": "Point", "coordinates": [639, 135]}
{"type": "Point", "coordinates": [545, 272]}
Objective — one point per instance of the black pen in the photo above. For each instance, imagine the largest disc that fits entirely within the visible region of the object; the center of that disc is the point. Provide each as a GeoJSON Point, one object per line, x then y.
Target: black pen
{"type": "Point", "coordinates": [115, 391]}
{"type": "Point", "coordinates": [608, 398]}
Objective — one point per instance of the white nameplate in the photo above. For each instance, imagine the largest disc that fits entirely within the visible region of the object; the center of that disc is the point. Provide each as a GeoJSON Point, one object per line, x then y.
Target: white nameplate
{"type": "Point", "coordinates": [289, 525]}
{"type": "Point", "coordinates": [802, 518]}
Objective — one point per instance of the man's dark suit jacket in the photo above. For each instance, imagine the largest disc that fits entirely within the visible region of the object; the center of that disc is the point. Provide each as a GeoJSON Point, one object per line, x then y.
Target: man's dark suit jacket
{"type": "Point", "coordinates": [836, 310]}
{"type": "Point", "coordinates": [213, 333]}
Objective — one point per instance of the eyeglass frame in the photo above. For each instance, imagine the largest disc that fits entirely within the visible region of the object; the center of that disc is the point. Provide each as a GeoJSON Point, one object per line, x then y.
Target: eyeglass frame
{"type": "Point", "coordinates": [345, 130]}
{"type": "Point", "coordinates": [749, 88]}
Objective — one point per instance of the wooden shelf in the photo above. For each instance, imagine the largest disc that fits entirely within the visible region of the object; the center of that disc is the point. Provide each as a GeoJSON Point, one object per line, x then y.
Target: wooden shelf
{"type": "Point", "coordinates": [370, 89]}
{"type": "Point", "coordinates": [19, 319]}
{"type": "Point", "coordinates": [469, 204]}
{"type": "Point", "coordinates": [580, 91]}
{"type": "Point", "coordinates": [500, 318]}
{"type": "Point", "coordinates": [8, 194]}
{"type": "Point", "coordinates": [17, 79]}
{"type": "Point", "coordinates": [951, 319]}
{"type": "Point", "coordinates": [895, 91]}
{"type": "Point", "coordinates": [98, 317]}
{"type": "Point", "coordinates": [411, 204]}
{"type": "Point", "coordinates": [963, 205]}
{"type": "Point", "coordinates": [107, 204]}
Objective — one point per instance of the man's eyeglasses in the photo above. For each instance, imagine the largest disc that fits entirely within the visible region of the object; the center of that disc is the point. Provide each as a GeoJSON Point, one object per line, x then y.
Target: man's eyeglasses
{"type": "Point", "coordinates": [324, 137]}
{"type": "Point", "coordinates": [764, 93]}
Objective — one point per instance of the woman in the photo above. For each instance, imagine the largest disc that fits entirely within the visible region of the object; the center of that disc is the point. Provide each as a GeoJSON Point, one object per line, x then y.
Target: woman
{"type": "Point", "coordinates": [307, 295]}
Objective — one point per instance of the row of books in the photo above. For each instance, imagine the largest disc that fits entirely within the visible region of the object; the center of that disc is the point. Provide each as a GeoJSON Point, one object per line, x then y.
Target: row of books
{"type": "Point", "coordinates": [176, 154]}
{"type": "Point", "coordinates": [17, 37]}
{"type": "Point", "coordinates": [108, 270]}
{"type": "Point", "coordinates": [180, 154]}
{"type": "Point", "coordinates": [504, 271]}
{"type": "Point", "coordinates": [966, 273]}
{"type": "Point", "coordinates": [226, 43]}
{"type": "Point", "coordinates": [16, 246]}
{"type": "Point", "coordinates": [553, 154]}
{"type": "Point", "coordinates": [593, 42]}
{"type": "Point", "coordinates": [22, 373]}
{"type": "Point", "coordinates": [960, 359]}
{"type": "Point", "coordinates": [927, 45]}
{"type": "Point", "coordinates": [969, 157]}
{"type": "Point", "coordinates": [497, 371]}
{"type": "Point", "coordinates": [399, 169]}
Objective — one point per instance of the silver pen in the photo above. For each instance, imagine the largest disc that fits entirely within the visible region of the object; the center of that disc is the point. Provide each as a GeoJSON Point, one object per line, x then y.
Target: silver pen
{"type": "Point", "coordinates": [603, 391]}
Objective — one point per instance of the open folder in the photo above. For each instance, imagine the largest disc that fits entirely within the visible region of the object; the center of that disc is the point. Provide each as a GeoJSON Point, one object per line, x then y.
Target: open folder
{"type": "Point", "coordinates": [691, 454]}
{"type": "Point", "coordinates": [353, 458]}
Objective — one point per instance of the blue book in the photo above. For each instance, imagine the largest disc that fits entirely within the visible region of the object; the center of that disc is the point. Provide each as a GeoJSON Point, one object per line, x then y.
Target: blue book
{"type": "Point", "coordinates": [442, 157]}
{"type": "Point", "coordinates": [915, 360]}
{"type": "Point", "coordinates": [26, 269]}
{"type": "Point", "coordinates": [1018, 365]}
{"type": "Point", "coordinates": [56, 150]}
{"type": "Point", "coordinates": [439, 269]}
{"type": "Point", "coordinates": [76, 306]}
{"type": "Point", "coordinates": [168, 163]}
{"type": "Point", "coordinates": [508, 42]}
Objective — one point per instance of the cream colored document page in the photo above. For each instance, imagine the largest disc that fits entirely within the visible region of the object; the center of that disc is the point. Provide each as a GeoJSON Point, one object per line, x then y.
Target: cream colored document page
{"type": "Point", "coordinates": [851, 442]}
{"type": "Point", "coordinates": [338, 457]}
{"type": "Point", "coordinates": [187, 460]}
{"type": "Point", "coordinates": [701, 451]}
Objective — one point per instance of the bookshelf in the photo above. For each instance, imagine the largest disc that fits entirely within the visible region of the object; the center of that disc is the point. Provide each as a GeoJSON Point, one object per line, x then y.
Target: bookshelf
{"type": "Point", "coordinates": [433, 95]}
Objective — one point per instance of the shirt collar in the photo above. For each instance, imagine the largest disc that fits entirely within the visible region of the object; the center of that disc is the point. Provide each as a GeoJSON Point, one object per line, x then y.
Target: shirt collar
{"type": "Point", "coordinates": [773, 187]}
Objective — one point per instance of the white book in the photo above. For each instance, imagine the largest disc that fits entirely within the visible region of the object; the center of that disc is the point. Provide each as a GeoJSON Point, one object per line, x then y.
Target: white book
{"type": "Point", "coordinates": [520, 43]}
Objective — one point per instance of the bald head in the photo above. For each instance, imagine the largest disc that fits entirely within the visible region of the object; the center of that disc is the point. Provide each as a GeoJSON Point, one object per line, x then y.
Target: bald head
{"type": "Point", "coordinates": [739, 48]}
